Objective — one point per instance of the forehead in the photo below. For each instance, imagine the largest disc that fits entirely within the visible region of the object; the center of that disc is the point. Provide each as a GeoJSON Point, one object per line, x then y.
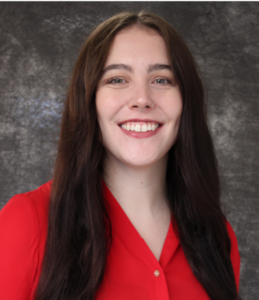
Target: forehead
{"type": "Point", "coordinates": [137, 43]}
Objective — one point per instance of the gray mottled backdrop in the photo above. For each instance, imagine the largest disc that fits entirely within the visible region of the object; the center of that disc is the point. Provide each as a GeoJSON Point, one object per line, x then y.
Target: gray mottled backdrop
{"type": "Point", "coordinates": [39, 43]}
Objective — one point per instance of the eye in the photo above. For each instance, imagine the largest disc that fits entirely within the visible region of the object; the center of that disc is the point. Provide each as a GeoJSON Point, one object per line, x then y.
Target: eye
{"type": "Point", "coordinates": [116, 80]}
{"type": "Point", "coordinates": [162, 81]}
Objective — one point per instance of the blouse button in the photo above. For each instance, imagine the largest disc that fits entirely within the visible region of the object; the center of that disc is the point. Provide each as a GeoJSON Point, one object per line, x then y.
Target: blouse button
{"type": "Point", "coordinates": [156, 273]}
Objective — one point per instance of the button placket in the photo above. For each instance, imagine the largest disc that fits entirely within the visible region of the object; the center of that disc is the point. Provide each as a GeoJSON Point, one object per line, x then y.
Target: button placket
{"type": "Point", "coordinates": [160, 284]}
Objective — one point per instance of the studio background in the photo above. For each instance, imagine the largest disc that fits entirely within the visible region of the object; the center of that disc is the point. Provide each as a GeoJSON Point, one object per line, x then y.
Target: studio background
{"type": "Point", "coordinates": [39, 43]}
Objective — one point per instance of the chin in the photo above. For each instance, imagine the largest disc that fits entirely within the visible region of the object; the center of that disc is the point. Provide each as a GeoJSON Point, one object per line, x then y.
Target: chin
{"type": "Point", "coordinates": [140, 161]}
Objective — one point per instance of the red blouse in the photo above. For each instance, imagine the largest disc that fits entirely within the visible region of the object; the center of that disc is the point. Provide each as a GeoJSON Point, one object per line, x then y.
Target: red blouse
{"type": "Point", "coordinates": [132, 271]}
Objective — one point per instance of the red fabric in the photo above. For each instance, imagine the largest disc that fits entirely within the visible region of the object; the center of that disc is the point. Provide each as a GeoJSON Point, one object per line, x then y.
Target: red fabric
{"type": "Point", "coordinates": [130, 265]}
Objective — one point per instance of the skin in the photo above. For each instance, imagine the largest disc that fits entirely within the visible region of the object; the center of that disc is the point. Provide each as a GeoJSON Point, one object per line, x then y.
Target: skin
{"type": "Point", "coordinates": [135, 168]}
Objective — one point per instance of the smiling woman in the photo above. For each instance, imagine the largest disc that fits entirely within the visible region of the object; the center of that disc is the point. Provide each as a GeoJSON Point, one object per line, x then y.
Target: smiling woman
{"type": "Point", "coordinates": [134, 208]}
{"type": "Point", "coordinates": [138, 103]}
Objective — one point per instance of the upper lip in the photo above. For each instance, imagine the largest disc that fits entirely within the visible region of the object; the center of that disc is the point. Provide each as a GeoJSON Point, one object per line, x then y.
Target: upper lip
{"type": "Point", "coordinates": [140, 120]}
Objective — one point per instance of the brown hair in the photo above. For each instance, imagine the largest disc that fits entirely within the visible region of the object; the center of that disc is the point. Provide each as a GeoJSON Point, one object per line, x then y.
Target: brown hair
{"type": "Point", "coordinates": [76, 246]}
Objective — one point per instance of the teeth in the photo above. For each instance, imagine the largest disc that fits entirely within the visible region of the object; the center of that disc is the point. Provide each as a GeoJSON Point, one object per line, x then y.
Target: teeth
{"type": "Point", "coordinates": [140, 127]}
{"type": "Point", "coordinates": [137, 128]}
{"type": "Point", "coordinates": [144, 128]}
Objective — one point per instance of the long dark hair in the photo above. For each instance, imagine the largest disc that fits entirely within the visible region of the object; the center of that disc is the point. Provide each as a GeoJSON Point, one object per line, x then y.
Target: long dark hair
{"type": "Point", "coordinates": [79, 227]}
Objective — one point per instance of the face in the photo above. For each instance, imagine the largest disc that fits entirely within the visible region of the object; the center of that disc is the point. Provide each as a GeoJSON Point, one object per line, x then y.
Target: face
{"type": "Point", "coordinates": [138, 103]}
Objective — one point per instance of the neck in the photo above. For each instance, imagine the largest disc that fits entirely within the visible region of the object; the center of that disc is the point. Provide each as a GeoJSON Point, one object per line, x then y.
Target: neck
{"type": "Point", "coordinates": [139, 190]}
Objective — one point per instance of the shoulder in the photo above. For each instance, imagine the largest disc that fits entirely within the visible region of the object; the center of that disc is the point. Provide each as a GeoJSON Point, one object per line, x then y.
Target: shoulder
{"type": "Point", "coordinates": [234, 253]}
{"type": "Point", "coordinates": [25, 208]}
{"type": "Point", "coordinates": [23, 229]}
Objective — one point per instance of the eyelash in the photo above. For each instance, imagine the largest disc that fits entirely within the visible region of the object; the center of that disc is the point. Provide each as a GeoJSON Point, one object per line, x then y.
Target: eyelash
{"type": "Point", "coordinates": [113, 80]}
{"type": "Point", "coordinates": [168, 81]}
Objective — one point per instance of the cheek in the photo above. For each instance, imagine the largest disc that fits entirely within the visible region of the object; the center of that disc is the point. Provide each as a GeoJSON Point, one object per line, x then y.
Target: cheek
{"type": "Point", "coordinates": [102, 108]}
{"type": "Point", "coordinates": [173, 109]}
{"type": "Point", "coordinates": [108, 103]}
{"type": "Point", "coordinates": [105, 114]}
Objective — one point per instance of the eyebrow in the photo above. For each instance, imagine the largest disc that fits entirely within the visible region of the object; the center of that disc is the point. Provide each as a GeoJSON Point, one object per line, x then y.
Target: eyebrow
{"type": "Point", "coordinates": [150, 69]}
{"type": "Point", "coordinates": [117, 67]}
{"type": "Point", "coordinates": [157, 67]}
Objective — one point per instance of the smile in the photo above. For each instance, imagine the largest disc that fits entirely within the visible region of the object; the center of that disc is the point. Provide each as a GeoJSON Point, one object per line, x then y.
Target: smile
{"type": "Point", "coordinates": [139, 126]}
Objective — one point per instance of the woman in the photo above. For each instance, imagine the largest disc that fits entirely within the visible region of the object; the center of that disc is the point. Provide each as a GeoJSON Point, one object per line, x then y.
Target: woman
{"type": "Point", "coordinates": [135, 199]}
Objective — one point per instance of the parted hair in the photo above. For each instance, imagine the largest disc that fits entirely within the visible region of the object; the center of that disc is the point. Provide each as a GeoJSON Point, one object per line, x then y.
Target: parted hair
{"type": "Point", "coordinates": [79, 229]}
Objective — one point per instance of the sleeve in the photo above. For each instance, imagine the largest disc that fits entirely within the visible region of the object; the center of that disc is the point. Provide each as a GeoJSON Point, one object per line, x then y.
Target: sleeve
{"type": "Point", "coordinates": [18, 248]}
{"type": "Point", "coordinates": [234, 254]}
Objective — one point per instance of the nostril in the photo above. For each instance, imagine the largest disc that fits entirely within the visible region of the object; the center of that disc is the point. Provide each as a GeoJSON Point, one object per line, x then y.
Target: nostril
{"type": "Point", "coordinates": [153, 103]}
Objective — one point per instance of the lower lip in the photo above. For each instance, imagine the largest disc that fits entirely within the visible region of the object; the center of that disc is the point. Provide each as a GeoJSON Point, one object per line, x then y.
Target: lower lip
{"type": "Point", "coordinates": [141, 135]}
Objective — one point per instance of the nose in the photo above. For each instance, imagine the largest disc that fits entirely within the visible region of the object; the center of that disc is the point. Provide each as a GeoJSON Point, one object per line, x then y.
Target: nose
{"type": "Point", "coordinates": [141, 98]}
